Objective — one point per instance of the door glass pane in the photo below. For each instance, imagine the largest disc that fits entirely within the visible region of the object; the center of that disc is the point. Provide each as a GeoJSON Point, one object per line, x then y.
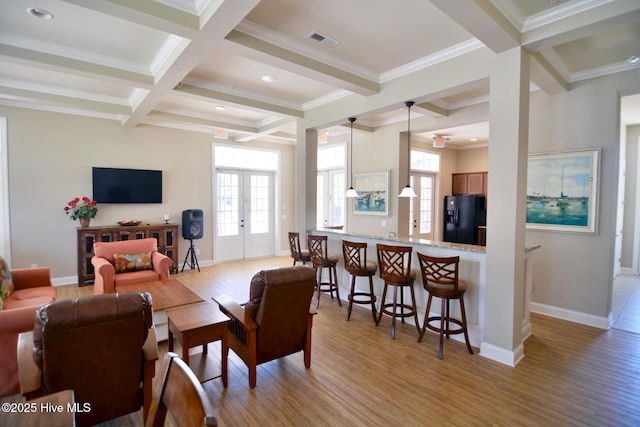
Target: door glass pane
{"type": "Point", "coordinates": [426, 201]}
{"type": "Point", "coordinates": [259, 204]}
{"type": "Point", "coordinates": [411, 210]}
{"type": "Point", "coordinates": [338, 198]}
{"type": "Point", "coordinates": [228, 204]}
{"type": "Point", "coordinates": [320, 202]}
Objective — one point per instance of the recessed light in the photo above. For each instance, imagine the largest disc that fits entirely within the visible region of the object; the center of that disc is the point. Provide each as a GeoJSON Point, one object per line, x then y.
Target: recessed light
{"type": "Point", "coordinates": [633, 60]}
{"type": "Point", "coordinates": [270, 78]}
{"type": "Point", "coordinates": [473, 139]}
{"type": "Point", "coordinates": [220, 108]}
{"type": "Point", "coordinates": [40, 13]}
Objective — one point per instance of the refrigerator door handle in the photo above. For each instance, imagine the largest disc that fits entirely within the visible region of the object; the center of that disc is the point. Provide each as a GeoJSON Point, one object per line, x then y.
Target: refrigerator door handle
{"type": "Point", "coordinates": [456, 217]}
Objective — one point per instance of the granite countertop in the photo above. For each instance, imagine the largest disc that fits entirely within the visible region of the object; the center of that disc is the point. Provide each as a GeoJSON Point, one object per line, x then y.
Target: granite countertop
{"type": "Point", "coordinates": [422, 242]}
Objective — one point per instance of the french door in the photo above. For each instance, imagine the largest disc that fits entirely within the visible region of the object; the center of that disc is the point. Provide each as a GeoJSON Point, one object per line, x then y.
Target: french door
{"type": "Point", "coordinates": [244, 215]}
{"type": "Point", "coordinates": [421, 208]}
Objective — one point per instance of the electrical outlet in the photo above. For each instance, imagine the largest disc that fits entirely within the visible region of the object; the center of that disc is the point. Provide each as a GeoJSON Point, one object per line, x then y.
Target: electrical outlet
{"type": "Point", "coordinates": [197, 251]}
{"type": "Point", "coordinates": [34, 265]}
{"type": "Point", "coordinates": [383, 223]}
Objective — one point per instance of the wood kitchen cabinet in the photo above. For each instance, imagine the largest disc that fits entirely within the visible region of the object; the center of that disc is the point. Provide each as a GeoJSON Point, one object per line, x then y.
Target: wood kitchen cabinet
{"type": "Point", "coordinates": [165, 234]}
{"type": "Point", "coordinates": [469, 183]}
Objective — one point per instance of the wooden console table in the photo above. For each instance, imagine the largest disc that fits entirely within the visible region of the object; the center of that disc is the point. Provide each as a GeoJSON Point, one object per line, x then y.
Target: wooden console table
{"type": "Point", "coordinates": [165, 234]}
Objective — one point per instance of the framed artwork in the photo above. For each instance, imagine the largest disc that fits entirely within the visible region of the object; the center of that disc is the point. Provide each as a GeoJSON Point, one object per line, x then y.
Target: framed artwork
{"type": "Point", "coordinates": [373, 192]}
{"type": "Point", "coordinates": [562, 191]}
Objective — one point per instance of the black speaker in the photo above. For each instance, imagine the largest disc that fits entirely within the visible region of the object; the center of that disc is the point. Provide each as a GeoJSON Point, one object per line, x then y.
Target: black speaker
{"type": "Point", "coordinates": [192, 224]}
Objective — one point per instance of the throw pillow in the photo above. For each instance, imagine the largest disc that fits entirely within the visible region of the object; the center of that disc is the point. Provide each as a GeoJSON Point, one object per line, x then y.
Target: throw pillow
{"type": "Point", "coordinates": [7, 281]}
{"type": "Point", "coordinates": [132, 262]}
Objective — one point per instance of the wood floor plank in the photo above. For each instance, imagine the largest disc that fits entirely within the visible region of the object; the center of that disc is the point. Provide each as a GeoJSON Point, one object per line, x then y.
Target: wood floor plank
{"type": "Point", "coordinates": [571, 375]}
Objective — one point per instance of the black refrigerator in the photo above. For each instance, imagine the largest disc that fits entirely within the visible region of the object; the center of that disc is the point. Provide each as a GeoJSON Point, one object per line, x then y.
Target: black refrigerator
{"type": "Point", "coordinates": [462, 216]}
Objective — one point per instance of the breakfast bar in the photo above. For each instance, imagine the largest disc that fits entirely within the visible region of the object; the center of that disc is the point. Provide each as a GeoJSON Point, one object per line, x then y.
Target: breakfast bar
{"type": "Point", "coordinates": [472, 270]}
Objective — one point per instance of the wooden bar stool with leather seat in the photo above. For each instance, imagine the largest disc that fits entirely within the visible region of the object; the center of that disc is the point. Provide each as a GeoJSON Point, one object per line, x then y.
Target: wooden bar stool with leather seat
{"type": "Point", "coordinates": [355, 262]}
{"type": "Point", "coordinates": [395, 269]}
{"type": "Point", "coordinates": [440, 279]}
{"type": "Point", "coordinates": [298, 254]}
{"type": "Point", "coordinates": [321, 259]}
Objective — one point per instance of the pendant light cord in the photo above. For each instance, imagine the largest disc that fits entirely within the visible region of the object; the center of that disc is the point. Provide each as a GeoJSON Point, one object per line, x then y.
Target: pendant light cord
{"type": "Point", "coordinates": [351, 119]}
{"type": "Point", "coordinates": [409, 104]}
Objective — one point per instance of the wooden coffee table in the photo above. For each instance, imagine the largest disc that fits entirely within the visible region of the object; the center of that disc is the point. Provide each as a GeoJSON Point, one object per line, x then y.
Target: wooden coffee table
{"type": "Point", "coordinates": [165, 294]}
{"type": "Point", "coordinates": [199, 324]}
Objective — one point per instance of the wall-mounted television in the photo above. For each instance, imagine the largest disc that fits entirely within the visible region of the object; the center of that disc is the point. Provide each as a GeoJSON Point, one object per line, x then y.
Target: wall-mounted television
{"type": "Point", "coordinates": [111, 185]}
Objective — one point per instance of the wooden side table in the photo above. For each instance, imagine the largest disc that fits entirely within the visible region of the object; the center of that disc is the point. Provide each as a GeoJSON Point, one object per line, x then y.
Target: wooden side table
{"type": "Point", "coordinates": [199, 324]}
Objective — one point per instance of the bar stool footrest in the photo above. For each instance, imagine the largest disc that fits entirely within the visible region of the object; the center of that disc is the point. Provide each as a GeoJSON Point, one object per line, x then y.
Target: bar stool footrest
{"type": "Point", "coordinates": [358, 300]}
{"type": "Point", "coordinates": [408, 310]}
{"type": "Point", "coordinates": [449, 331]}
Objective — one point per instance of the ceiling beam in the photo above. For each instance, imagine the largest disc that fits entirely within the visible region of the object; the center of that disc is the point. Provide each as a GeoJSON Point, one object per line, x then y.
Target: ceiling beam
{"type": "Point", "coordinates": [484, 21]}
{"type": "Point", "coordinates": [581, 24]}
{"type": "Point", "coordinates": [49, 98]}
{"type": "Point", "coordinates": [83, 68]}
{"type": "Point", "coordinates": [180, 118]}
{"type": "Point", "coordinates": [280, 57]}
{"type": "Point", "coordinates": [236, 100]}
{"type": "Point", "coordinates": [227, 16]}
{"type": "Point", "coordinates": [151, 14]}
{"type": "Point", "coordinates": [546, 76]}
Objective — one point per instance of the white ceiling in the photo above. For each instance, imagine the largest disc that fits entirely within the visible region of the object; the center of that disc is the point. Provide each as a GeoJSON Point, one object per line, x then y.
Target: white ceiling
{"type": "Point", "coordinates": [171, 62]}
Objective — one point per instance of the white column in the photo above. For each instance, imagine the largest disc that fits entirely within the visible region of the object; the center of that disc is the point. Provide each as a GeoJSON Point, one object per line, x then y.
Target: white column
{"type": "Point", "coordinates": [506, 211]}
{"type": "Point", "coordinates": [306, 173]}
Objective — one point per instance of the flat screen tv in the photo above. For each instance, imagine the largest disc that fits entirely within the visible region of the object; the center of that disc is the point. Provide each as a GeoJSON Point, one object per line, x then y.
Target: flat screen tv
{"type": "Point", "coordinates": [111, 185]}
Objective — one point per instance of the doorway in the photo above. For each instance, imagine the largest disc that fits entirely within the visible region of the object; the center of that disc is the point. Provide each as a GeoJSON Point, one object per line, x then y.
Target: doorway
{"type": "Point", "coordinates": [245, 214]}
{"type": "Point", "coordinates": [421, 208]}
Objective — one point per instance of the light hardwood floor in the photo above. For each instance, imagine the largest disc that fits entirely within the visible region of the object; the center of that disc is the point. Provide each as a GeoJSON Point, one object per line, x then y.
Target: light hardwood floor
{"type": "Point", "coordinates": [572, 375]}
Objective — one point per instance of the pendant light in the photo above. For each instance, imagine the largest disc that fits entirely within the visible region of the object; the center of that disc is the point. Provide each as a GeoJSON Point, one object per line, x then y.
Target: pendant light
{"type": "Point", "coordinates": [408, 191]}
{"type": "Point", "coordinates": [351, 192]}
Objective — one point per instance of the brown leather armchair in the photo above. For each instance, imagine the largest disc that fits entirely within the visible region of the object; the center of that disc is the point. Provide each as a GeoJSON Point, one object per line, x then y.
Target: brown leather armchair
{"type": "Point", "coordinates": [276, 321]}
{"type": "Point", "coordinates": [103, 347]}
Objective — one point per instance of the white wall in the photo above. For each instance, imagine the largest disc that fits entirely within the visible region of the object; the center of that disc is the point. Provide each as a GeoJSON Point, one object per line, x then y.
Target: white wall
{"type": "Point", "coordinates": [50, 160]}
{"type": "Point", "coordinates": [574, 271]}
{"type": "Point", "coordinates": [630, 201]}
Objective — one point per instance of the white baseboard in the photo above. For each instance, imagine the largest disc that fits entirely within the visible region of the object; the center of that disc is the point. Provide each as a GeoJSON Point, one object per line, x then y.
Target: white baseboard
{"type": "Point", "coordinates": [68, 280]}
{"type": "Point", "coordinates": [504, 356]}
{"type": "Point", "coordinates": [572, 316]}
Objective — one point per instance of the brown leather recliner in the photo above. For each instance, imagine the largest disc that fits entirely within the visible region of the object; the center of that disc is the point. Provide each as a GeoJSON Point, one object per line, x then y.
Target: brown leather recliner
{"type": "Point", "coordinates": [103, 347]}
{"type": "Point", "coordinates": [276, 321]}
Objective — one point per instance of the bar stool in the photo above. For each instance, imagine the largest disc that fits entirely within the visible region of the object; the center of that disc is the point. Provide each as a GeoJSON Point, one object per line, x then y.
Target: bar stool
{"type": "Point", "coordinates": [355, 262]}
{"type": "Point", "coordinates": [298, 255]}
{"type": "Point", "coordinates": [440, 279]}
{"type": "Point", "coordinates": [320, 260]}
{"type": "Point", "coordinates": [395, 269]}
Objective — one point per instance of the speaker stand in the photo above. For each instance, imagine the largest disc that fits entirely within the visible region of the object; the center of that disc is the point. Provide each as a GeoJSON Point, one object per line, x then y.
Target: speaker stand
{"type": "Point", "coordinates": [194, 257]}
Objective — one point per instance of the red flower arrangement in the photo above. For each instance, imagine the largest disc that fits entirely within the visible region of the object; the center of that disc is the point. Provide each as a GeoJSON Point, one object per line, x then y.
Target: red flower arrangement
{"type": "Point", "coordinates": [81, 208]}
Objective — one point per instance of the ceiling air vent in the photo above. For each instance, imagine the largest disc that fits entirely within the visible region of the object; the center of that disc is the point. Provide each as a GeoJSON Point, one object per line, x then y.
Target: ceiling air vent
{"type": "Point", "coordinates": [327, 41]}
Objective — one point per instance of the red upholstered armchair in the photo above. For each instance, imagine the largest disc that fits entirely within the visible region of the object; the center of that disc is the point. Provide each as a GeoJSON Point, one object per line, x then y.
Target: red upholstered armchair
{"type": "Point", "coordinates": [276, 321]}
{"type": "Point", "coordinates": [104, 263]}
{"type": "Point", "coordinates": [32, 289]}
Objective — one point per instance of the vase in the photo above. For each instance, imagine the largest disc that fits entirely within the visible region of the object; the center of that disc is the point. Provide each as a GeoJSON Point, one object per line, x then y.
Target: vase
{"type": "Point", "coordinates": [84, 222]}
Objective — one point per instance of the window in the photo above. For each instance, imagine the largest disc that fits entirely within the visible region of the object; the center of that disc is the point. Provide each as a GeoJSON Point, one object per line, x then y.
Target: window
{"type": "Point", "coordinates": [425, 161]}
{"type": "Point", "coordinates": [331, 187]}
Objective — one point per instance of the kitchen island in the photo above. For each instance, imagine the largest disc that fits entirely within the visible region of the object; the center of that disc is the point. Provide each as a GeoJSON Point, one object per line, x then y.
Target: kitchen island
{"type": "Point", "coordinates": [472, 269]}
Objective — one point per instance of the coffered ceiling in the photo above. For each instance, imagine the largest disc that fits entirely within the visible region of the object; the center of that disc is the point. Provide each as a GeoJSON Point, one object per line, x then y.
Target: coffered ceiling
{"type": "Point", "coordinates": [199, 64]}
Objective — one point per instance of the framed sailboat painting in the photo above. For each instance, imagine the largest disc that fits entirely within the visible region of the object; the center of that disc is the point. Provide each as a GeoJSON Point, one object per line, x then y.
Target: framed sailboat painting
{"type": "Point", "coordinates": [562, 191]}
